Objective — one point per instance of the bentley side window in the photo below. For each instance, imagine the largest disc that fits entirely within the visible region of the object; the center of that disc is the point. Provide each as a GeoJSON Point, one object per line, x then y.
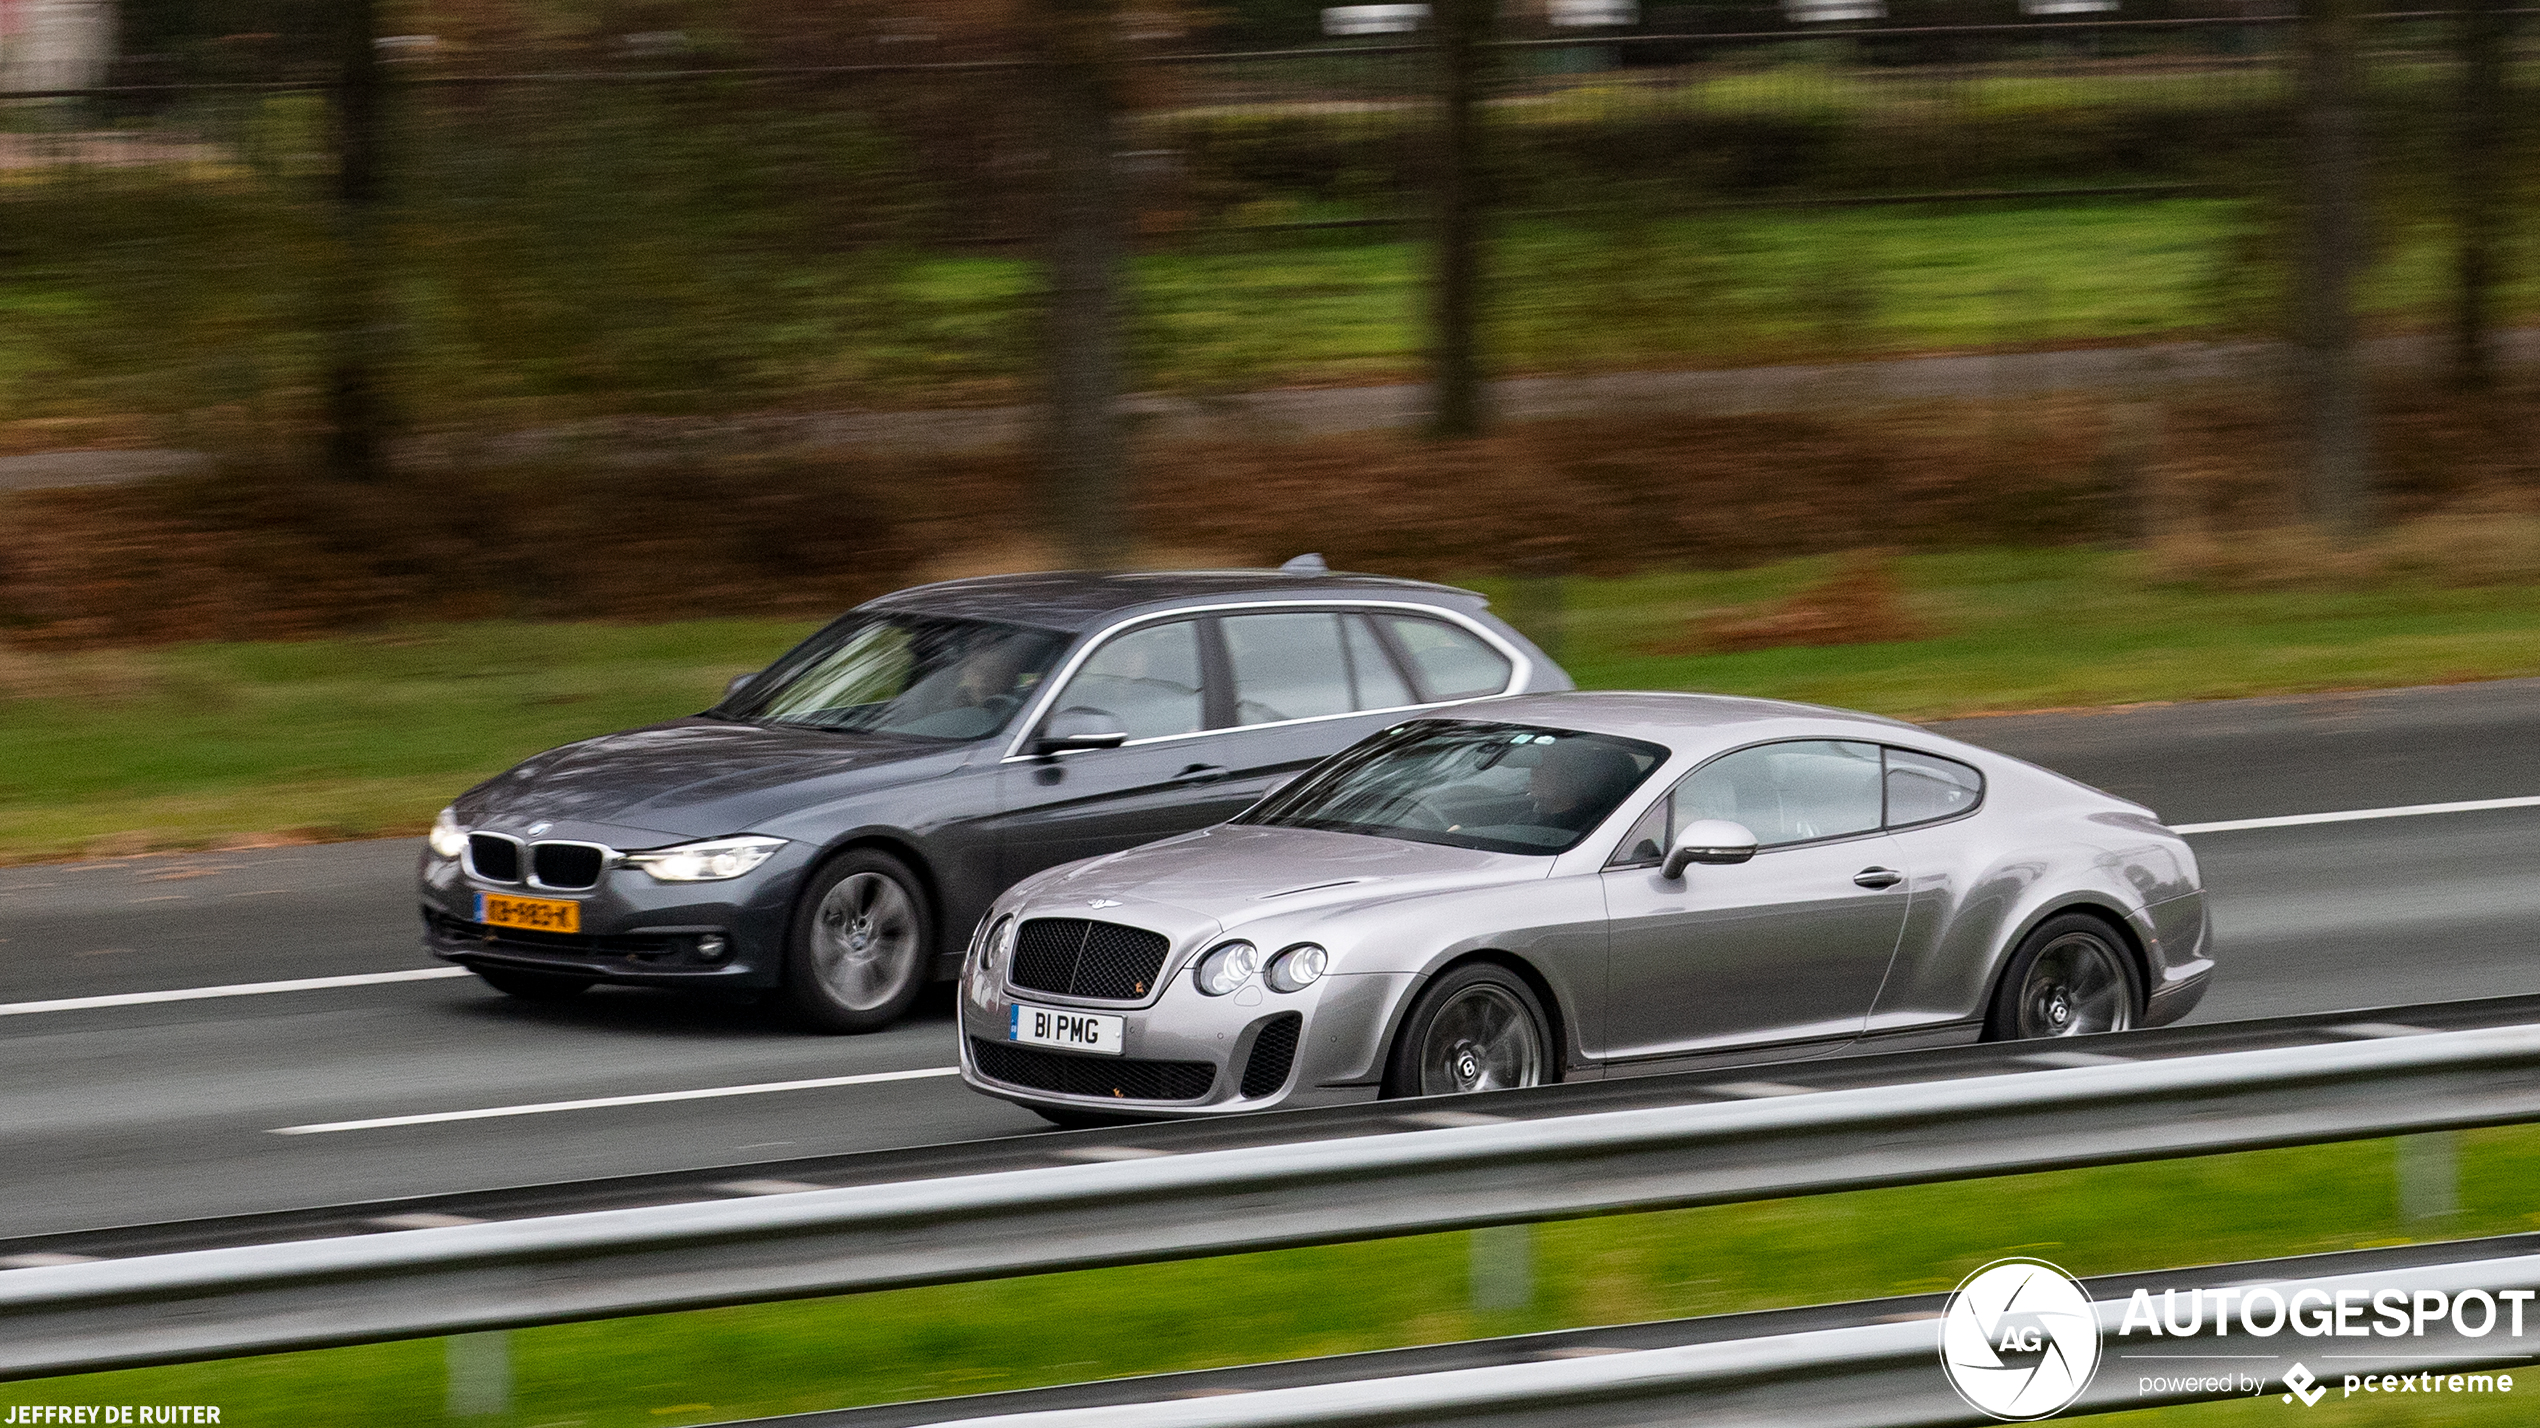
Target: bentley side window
{"type": "Point", "coordinates": [1448, 662]}
{"type": "Point", "coordinates": [1288, 665]}
{"type": "Point", "coordinates": [1789, 793]}
{"type": "Point", "coordinates": [1650, 837]}
{"type": "Point", "coordinates": [1148, 679]}
{"type": "Point", "coordinates": [1922, 787]}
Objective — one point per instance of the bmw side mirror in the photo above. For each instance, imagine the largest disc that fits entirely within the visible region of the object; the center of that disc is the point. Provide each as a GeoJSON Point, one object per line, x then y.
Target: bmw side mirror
{"type": "Point", "coordinates": [738, 682]}
{"type": "Point", "coordinates": [1079, 728]}
{"type": "Point", "coordinates": [1714, 841]}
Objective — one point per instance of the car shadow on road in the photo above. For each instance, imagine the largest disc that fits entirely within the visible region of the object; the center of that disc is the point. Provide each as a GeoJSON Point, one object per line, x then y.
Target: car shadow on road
{"type": "Point", "coordinates": [683, 1012]}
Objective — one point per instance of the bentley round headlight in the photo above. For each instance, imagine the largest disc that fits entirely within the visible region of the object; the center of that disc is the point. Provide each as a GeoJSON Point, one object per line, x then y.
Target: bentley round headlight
{"type": "Point", "coordinates": [1297, 968]}
{"type": "Point", "coordinates": [987, 960]}
{"type": "Point", "coordinates": [447, 838]}
{"type": "Point", "coordinates": [1227, 967]}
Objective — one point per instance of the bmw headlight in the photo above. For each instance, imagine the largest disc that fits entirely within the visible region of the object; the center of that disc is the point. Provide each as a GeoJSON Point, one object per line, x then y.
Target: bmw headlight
{"type": "Point", "coordinates": [711, 861]}
{"type": "Point", "coordinates": [1297, 968]}
{"type": "Point", "coordinates": [447, 838]}
{"type": "Point", "coordinates": [1228, 966]}
{"type": "Point", "coordinates": [987, 960]}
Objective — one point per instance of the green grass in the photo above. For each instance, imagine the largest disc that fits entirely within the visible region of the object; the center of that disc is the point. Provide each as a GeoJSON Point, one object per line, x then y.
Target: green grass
{"type": "Point", "coordinates": [745, 1362]}
{"type": "Point", "coordinates": [363, 734]}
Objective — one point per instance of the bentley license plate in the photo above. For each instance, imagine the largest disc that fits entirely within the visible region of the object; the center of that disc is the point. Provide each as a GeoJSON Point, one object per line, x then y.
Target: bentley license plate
{"type": "Point", "coordinates": [537, 914]}
{"type": "Point", "coordinates": [1071, 1031]}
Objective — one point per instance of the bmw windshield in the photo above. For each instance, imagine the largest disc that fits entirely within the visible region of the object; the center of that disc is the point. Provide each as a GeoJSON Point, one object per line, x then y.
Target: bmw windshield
{"type": "Point", "coordinates": [903, 674]}
{"type": "Point", "coordinates": [1499, 788]}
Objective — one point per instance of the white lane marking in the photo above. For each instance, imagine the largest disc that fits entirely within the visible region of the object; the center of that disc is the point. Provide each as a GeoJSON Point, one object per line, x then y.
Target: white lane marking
{"type": "Point", "coordinates": [707, 1093]}
{"type": "Point", "coordinates": [242, 989]}
{"type": "Point", "coordinates": [2358, 815]}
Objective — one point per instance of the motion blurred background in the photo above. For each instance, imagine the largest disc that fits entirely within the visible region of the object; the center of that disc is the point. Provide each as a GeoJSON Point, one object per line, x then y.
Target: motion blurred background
{"type": "Point", "coordinates": [566, 308]}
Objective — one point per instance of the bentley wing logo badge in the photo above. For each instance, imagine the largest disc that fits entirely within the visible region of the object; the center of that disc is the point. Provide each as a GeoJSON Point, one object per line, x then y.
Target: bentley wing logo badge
{"type": "Point", "coordinates": [1103, 902]}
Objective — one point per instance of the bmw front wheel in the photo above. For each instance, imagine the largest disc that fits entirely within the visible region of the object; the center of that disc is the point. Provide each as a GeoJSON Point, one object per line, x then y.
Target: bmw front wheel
{"type": "Point", "coordinates": [860, 945]}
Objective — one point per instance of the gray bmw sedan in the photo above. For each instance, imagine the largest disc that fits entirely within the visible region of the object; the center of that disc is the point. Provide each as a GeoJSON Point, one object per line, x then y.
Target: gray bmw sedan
{"type": "Point", "coordinates": [832, 830]}
{"type": "Point", "coordinates": [1583, 885]}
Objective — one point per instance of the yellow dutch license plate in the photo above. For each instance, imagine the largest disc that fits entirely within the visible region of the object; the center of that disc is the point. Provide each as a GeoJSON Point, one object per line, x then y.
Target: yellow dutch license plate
{"type": "Point", "coordinates": [536, 914]}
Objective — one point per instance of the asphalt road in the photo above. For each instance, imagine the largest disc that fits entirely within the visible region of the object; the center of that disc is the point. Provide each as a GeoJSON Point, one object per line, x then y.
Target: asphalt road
{"type": "Point", "coordinates": [129, 1113]}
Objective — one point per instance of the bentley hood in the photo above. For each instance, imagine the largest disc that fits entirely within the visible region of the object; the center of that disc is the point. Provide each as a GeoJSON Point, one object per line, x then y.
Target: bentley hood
{"type": "Point", "coordinates": [1235, 873]}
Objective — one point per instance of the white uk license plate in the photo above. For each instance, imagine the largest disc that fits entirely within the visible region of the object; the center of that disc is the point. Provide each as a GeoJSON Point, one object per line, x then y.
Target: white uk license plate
{"type": "Point", "coordinates": [1071, 1031]}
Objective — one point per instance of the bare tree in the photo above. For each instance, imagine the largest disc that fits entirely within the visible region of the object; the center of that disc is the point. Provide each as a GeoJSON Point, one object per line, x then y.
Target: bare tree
{"type": "Point", "coordinates": [1455, 250]}
{"type": "Point", "coordinates": [2337, 465]}
{"type": "Point", "coordinates": [1086, 458]}
{"type": "Point", "coordinates": [355, 404]}
{"type": "Point", "coordinates": [2478, 176]}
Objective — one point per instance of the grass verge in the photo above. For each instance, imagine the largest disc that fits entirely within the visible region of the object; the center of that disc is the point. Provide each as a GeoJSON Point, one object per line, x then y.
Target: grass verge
{"type": "Point", "coordinates": [132, 750]}
{"type": "Point", "coordinates": [721, 1365]}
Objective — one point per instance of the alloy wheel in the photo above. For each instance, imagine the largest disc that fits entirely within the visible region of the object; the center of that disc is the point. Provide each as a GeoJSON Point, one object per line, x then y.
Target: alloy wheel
{"type": "Point", "coordinates": [1482, 1039]}
{"type": "Point", "coordinates": [864, 941]}
{"type": "Point", "coordinates": [2075, 987]}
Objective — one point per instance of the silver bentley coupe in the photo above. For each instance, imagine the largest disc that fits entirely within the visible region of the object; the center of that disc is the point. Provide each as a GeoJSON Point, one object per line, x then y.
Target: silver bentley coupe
{"type": "Point", "coordinates": [1582, 885]}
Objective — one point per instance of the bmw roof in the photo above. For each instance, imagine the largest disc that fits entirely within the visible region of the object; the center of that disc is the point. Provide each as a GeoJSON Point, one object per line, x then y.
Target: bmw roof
{"type": "Point", "coordinates": [1078, 599]}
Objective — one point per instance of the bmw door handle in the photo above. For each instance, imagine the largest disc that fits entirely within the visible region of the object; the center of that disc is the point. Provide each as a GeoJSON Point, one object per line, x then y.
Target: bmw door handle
{"type": "Point", "coordinates": [1878, 877]}
{"type": "Point", "coordinates": [1202, 773]}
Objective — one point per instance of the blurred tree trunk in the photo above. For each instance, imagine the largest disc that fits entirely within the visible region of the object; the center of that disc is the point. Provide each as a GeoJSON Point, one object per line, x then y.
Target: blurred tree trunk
{"type": "Point", "coordinates": [1086, 460]}
{"type": "Point", "coordinates": [355, 409]}
{"type": "Point", "coordinates": [1455, 249]}
{"type": "Point", "coordinates": [2478, 172]}
{"type": "Point", "coordinates": [2337, 475]}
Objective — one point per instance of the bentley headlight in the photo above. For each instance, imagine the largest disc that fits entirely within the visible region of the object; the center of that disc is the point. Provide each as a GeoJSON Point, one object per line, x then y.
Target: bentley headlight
{"type": "Point", "coordinates": [1228, 966]}
{"type": "Point", "coordinates": [447, 838]}
{"type": "Point", "coordinates": [987, 960]}
{"type": "Point", "coordinates": [1297, 968]}
{"type": "Point", "coordinates": [711, 861]}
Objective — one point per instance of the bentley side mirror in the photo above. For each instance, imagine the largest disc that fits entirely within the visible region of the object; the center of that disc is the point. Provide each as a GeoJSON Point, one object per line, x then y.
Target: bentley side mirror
{"type": "Point", "coordinates": [1711, 841]}
{"type": "Point", "coordinates": [1079, 728]}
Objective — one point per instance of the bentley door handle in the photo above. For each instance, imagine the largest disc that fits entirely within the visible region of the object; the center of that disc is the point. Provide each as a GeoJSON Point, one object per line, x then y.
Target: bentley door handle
{"type": "Point", "coordinates": [1202, 773]}
{"type": "Point", "coordinates": [1878, 877]}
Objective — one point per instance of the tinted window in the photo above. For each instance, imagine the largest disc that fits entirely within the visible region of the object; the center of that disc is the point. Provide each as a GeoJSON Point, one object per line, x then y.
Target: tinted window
{"type": "Point", "coordinates": [1921, 787]}
{"type": "Point", "coordinates": [901, 674]}
{"type": "Point", "coordinates": [1372, 673]}
{"type": "Point", "coordinates": [1503, 788]}
{"type": "Point", "coordinates": [1449, 663]}
{"type": "Point", "coordinates": [1148, 679]}
{"type": "Point", "coordinates": [1287, 666]}
{"type": "Point", "coordinates": [1648, 840]}
{"type": "Point", "coordinates": [1788, 793]}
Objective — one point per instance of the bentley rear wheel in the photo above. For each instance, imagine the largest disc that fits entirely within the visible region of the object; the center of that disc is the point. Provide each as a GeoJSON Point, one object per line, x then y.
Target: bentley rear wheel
{"type": "Point", "coordinates": [2069, 978]}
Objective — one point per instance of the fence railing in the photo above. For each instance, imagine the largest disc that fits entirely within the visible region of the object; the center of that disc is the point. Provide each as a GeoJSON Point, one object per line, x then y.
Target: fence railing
{"type": "Point", "coordinates": [255, 1299]}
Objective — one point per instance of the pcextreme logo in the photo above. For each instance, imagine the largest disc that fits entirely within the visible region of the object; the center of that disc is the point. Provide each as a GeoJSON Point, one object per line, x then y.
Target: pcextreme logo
{"type": "Point", "coordinates": [2019, 1340]}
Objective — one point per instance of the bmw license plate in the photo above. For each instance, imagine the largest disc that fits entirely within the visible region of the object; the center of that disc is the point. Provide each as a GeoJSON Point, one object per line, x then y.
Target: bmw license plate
{"type": "Point", "coordinates": [1067, 1030]}
{"type": "Point", "coordinates": [537, 914]}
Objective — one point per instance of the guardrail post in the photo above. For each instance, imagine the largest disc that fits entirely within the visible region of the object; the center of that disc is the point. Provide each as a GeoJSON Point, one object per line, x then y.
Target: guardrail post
{"type": "Point", "coordinates": [2430, 1175]}
{"type": "Point", "coordinates": [1503, 1267]}
{"type": "Point", "coordinates": [480, 1373]}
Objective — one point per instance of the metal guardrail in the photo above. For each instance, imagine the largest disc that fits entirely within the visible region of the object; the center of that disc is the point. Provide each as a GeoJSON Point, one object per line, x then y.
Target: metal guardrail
{"type": "Point", "coordinates": [1880, 1375]}
{"type": "Point", "coordinates": [318, 1293]}
{"type": "Point", "coordinates": [2381, 1265]}
{"type": "Point", "coordinates": [1042, 1149]}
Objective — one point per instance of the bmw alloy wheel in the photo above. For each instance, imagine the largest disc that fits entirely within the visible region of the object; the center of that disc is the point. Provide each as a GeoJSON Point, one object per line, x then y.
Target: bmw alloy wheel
{"type": "Point", "coordinates": [864, 940]}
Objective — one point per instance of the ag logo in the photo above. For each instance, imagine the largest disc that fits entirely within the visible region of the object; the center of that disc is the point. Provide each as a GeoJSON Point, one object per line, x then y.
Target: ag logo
{"type": "Point", "coordinates": [2020, 1340]}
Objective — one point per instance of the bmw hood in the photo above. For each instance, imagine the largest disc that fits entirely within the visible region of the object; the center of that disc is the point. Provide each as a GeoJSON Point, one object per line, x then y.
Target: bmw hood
{"type": "Point", "coordinates": [695, 778]}
{"type": "Point", "coordinates": [1235, 872]}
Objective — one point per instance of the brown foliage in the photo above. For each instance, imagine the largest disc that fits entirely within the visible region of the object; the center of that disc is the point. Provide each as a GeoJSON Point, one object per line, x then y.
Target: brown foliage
{"type": "Point", "coordinates": [1859, 604]}
{"type": "Point", "coordinates": [259, 553]}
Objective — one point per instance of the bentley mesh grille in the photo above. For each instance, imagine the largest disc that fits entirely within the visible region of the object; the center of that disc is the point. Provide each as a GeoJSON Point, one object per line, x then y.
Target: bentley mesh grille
{"type": "Point", "coordinates": [1114, 1077]}
{"type": "Point", "coordinates": [1078, 957]}
{"type": "Point", "coordinates": [1273, 1052]}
